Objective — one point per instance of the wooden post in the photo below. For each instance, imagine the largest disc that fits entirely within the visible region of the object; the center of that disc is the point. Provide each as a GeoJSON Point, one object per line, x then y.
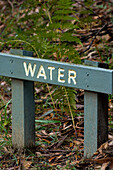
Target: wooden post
{"type": "Point", "coordinates": [23, 109]}
{"type": "Point", "coordinates": [95, 117]}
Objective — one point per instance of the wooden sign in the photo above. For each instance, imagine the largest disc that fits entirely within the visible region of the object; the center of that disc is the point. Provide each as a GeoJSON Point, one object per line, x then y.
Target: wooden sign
{"type": "Point", "coordinates": [97, 83]}
{"type": "Point", "coordinates": [58, 73]}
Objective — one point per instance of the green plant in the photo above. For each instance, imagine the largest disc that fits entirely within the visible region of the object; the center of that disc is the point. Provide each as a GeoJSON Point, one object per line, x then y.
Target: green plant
{"type": "Point", "coordinates": [53, 31]}
{"type": "Point", "coordinates": [5, 121]}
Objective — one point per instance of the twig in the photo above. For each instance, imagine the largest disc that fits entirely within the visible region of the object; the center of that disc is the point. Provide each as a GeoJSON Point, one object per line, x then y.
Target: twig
{"type": "Point", "coordinates": [11, 4]}
{"type": "Point", "coordinates": [60, 150]}
{"type": "Point", "coordinates": [61, 141]}
{"type": "Point", "coordinates": [93, 39]}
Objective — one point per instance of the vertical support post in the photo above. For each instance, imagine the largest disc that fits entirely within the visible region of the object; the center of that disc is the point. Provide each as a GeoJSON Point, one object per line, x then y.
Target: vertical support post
{"type": "Point", "coordinates": [95, 118]}
{"type": "Point", "coordinates": [23, 109]}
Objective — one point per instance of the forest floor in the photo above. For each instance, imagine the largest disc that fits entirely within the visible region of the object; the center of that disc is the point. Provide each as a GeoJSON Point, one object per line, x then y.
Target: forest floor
{"type": "Point", "coordinates": [57, 145]}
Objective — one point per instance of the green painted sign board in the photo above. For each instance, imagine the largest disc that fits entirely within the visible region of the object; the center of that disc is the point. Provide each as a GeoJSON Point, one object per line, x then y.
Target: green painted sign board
{"type": "Point", "coordinates": [58, 73]}
{"type": "Point", "coordinates": [24, 70]}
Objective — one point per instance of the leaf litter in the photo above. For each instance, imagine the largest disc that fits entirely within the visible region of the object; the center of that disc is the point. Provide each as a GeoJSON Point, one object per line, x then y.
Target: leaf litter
{"type": "Point", "coordinates": [57, 144]}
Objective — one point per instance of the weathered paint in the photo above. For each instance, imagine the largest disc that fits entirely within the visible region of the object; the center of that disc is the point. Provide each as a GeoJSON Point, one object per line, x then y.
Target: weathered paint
{"type": "Point", "coordinates": [23, 110]}
{"type": "Point", "coordinates": [65, 74]}
{"type": "Point", "coordinates": [96, 64]}
{"type": "Point", "coordinates": [95, 117]}
{"type": "Point", "coordinates": [21, 52]}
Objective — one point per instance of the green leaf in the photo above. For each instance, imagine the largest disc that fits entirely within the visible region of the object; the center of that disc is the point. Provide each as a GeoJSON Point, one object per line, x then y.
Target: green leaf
{"type": "Point", "coordinates": [47, 121]}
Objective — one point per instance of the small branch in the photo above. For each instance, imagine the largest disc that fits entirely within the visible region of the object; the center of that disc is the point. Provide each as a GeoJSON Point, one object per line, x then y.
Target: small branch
{"type": "Point", "coordinates": [93, 39]}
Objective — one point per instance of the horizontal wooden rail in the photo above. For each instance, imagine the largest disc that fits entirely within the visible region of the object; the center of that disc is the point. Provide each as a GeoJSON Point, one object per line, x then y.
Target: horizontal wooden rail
{"type": "Point", "coordinates": [58, 73]}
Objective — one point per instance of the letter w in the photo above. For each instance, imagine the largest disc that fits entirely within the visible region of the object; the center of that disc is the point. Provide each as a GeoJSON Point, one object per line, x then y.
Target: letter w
{"type": "Point", "coordinates": [29, 69]}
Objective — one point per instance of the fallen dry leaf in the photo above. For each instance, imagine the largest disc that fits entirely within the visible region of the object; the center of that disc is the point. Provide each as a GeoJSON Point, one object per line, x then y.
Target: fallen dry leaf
{"type": "Point", "coordinates": [105, 165]}
{"type": "Point", "coordinates": [52, 159]}
{"type": "Point", "coordinates": [26, 164]}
